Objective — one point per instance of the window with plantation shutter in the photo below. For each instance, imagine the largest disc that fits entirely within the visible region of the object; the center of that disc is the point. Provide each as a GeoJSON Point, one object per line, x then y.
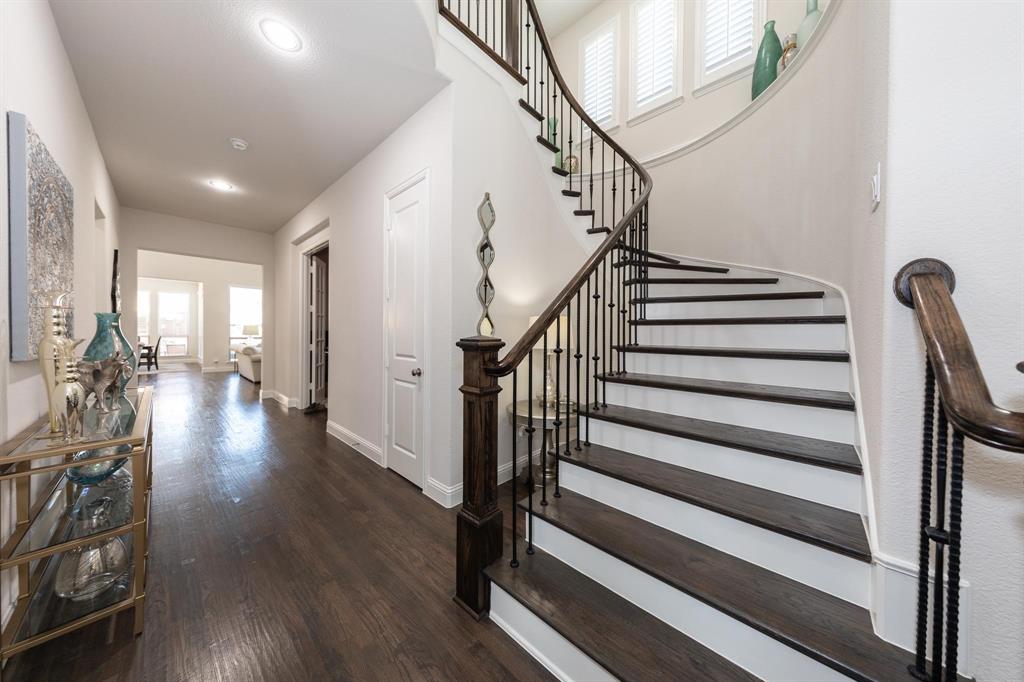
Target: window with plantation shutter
{"type": "Point", "coordinates": [597, 60]}
{"type": "Point", "coordinates": [727, 35]}
{"type": "Point", "coordinates": [654, 53]}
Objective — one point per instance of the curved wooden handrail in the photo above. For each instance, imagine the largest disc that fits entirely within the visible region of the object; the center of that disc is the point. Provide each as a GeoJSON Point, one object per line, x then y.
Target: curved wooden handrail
{"type": "Point", "coordinates": [961, 384]}
{"type": "Point", "coordinates": [518, 352]}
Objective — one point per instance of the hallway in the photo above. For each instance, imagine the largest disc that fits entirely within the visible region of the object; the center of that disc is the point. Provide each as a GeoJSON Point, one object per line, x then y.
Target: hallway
{"type": "Point", "coordinates": [278, 554]}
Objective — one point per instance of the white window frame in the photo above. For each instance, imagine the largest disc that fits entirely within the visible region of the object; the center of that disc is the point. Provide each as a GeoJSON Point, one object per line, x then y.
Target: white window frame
{"type": "Point", "coordinates": [670, 99]}
{"type": "Point", "coordinates": [734, 70]}
{"type": "Point", "coordinates": [613, 22]}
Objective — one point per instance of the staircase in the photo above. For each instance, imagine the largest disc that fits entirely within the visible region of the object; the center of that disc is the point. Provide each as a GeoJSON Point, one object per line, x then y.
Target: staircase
{"type": "Point", "coordinates": [697, 513]}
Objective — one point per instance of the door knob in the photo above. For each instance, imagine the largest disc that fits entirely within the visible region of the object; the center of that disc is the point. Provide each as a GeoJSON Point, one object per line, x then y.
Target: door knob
{"type": "Point", "coordinates": [417, 372]}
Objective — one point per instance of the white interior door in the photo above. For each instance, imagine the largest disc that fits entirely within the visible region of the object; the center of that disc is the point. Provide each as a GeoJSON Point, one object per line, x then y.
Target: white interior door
{"type": "Point", "coordinates": [318, 330]}
{"type": "Point", "coordinates": [406, 238]}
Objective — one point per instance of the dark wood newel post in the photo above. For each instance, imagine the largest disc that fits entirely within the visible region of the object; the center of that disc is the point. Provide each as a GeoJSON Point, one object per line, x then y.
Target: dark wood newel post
{"type": "Point", "coordinates": [479, 535]}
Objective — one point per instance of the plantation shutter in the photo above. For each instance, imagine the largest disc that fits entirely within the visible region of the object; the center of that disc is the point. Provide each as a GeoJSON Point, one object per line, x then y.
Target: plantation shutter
{"type": "Point", "coordinates": [728, 32]}
{"type": "Point", "coordinates": [655, 58]}
{"type": "Point", "coordinates": [599, 76]}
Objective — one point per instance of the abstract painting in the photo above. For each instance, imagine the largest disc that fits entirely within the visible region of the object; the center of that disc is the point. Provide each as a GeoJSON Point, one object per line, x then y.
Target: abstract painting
{"type": "Point", "coordinates": [42, 226]}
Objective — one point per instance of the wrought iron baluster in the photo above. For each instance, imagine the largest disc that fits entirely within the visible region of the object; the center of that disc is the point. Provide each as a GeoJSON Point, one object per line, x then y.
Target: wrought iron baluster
{"type": "Point", "coordinates": [529, 454]}
{"type": "Point", "coordinates": [544, 421]}
{"type": "Point", "coordinates": [515, 481]}
{"type": "Point", "coordinates": [956, 487]}
{"type": "Point", "coordinates": [937, 531]}
{"type": "Point", "coordinates": [919, 669]}
{"type": "Point", "coordinates": [558, 397]}
{"type": "Point", "coordinates": [578, 356]}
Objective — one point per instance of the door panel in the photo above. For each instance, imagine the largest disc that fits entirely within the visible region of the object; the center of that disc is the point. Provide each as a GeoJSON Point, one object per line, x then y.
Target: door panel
{"type": "Point", "coordinates": [406, 237]}
{"type": "Point", "coordinates": [319, 330]}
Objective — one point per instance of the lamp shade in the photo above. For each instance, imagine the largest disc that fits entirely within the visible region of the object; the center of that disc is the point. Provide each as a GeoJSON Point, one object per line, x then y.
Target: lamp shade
{"type": "Point", "coordinates": [250, 330]}
{"type": "Point", "coordinates": [563, 333]}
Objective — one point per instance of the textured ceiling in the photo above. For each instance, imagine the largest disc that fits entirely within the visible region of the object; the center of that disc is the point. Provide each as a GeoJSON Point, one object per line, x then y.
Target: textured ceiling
{"type": "Point", "coordinates": [168, 82]}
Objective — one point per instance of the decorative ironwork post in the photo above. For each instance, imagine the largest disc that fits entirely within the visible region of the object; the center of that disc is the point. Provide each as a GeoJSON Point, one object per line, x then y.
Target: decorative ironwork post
{"type": "Point", "coordinates": [485, 254]}
{"type": "Point", "coordinates": [479, 530]}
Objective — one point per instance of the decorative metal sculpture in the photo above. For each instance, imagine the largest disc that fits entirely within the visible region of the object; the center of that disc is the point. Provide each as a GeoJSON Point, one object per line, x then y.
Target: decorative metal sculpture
{"type": "Point", "coordinates": [485, 254]}
{"type": "Point", "coordinates": [55, 350]}
{"type": "Point", "coordinates": [68, 402]}
{"type": "Point", "coordinates": [102, 378]}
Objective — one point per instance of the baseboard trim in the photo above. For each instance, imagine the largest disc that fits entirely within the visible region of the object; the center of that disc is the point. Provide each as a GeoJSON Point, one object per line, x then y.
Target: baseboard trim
{"type": "Point", "coordinates": [280, 398]}
{"type": "Point", "coordinates": [356, 442]}
{"type": "Point", "coordinates": [447, 496]}
{"type": "Point", "coordinates": [208, 369]}
{"type": "Point", "coordinates": [894, 607]}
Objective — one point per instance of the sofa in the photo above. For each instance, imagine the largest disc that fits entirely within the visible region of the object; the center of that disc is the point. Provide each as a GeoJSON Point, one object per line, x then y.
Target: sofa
{"type": "Point", "coordinates": [250, 363]}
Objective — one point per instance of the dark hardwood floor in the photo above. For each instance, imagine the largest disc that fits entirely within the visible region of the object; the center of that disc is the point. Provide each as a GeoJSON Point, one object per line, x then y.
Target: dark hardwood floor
{"type": "Point", "coordinates": [279, 554]}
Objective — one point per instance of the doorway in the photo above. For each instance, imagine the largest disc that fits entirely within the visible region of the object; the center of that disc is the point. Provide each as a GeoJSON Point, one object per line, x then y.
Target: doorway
{"type": "Point", "coordinates": [317, 327]}
{"type": "Point", "coordinates": [404, 301]}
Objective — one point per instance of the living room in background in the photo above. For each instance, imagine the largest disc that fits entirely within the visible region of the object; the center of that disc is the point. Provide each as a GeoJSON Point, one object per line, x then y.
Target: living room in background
{"type": "Point", "coordinates": [245, 327]}
{"type": "Point", "coordinates": [168, 313]}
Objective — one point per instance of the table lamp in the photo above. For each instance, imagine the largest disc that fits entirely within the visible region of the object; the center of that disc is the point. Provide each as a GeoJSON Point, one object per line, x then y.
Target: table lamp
{"type": "Point", "coordinates": [548, 395]}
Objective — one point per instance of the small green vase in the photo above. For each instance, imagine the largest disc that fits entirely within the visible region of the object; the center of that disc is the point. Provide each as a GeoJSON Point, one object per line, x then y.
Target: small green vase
{"type": "Point", "coordinates": [766, 65]}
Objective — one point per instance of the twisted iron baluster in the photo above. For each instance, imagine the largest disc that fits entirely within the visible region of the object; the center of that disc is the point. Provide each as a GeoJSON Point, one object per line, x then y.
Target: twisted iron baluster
{"type": "Point", "coordinates": [956, 486]}
{"type": "Point", "coordinates": [938, 603]}
{"type": "Point", "coordinates": [919, 669]}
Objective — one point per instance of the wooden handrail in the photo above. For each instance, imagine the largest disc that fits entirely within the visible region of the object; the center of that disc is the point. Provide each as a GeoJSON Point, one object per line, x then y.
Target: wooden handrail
{"type": "Point", "coordinates": [518, 352]}
{"type": "Point", "coordinates": [925, 285]}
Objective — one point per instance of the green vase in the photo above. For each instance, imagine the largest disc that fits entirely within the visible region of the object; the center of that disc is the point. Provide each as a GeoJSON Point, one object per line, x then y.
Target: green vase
{"type": "Point", "coordinates": [766, 65]}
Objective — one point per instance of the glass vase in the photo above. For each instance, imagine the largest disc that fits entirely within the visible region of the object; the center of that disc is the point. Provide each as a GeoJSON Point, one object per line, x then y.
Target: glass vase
{"type": "Point", "coordinates": [807, 26]}
{"type": "Point", "coordinates": [107, 342]}
{"type": "Point", "coordinates": [766, 64]}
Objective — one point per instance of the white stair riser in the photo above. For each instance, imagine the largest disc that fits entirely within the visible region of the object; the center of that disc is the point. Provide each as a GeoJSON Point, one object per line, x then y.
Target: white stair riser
{"type": "Point", "coordinates": [800, 420]}
{"type": "Point", "coordinates": [544, 643]}
{"type": "Point", "coordinates": [832, 376]}
{"type": "Point", "coordinates": [802, 306]}
{"type": "Point", "coordinates": [755, 651]}
{"type": "Point", "coordinates": [822, 569]}
{"type": "Point", "coordinates": [806, 481]}
{"type": "Point", "coordinates": [802, 336]}
{"type": "Point", "coordinates": [665, 289]}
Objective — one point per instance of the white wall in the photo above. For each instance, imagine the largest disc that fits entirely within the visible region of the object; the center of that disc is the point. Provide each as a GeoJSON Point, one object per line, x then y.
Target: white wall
{"type": "Point", "coordinates": [470, 139]}
{"type": "Point", "coordinates": [694, 114]}
{"type": "Point", "coordinates": [36, 79]}
{"type": "Point", "coordinates": [956, 192]}
{"type": "Point", "coordinates": [148, 231]}
{"type": "Point", "coordinates": [216, 277]}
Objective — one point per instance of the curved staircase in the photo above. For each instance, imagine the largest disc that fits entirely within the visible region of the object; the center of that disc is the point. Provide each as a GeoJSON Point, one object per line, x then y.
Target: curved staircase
{"type": "Point", "coordinates": [698, 512]}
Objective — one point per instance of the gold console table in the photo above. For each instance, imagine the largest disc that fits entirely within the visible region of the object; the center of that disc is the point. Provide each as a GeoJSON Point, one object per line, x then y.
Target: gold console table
{"type": "Point", "coordinates": [44, 528]}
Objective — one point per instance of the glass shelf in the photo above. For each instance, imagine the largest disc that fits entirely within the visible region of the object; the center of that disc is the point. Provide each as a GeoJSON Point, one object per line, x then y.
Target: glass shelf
{"type": "Point", "coordinates": [119, 431]}
{"type": "Point", "coordinates": [110, 502]}
{"type": "Point", "coordinates": [46, 611]}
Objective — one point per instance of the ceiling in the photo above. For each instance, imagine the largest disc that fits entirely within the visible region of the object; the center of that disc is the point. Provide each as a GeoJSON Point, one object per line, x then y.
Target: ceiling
{"type": "Point", "coordinates": [558, 15]}
{"type": "Point", "coordinates": [167, 83]}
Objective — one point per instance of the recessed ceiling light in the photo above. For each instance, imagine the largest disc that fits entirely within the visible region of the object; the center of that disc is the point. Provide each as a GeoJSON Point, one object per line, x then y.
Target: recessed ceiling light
{"type": "Point", "coordinates": [280, 36]}
{"type": "Point", "coordinates": [221, 185]}
{"type": "Point", "coordinates": [239, 144]}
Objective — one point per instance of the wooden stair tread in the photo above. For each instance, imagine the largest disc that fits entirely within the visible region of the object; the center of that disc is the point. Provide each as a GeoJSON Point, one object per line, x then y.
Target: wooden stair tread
{"type": "Point", "coordinates": [713, 298]}
{"type": "Point", "coordinates": [571, 192]}
{"type": "Point", "coordinates": [620, 636]}
{"type": "Point", "coordinates": [811, 397]}
{"type": "Point", "coordinates": [814, 451]}
{"type": "Point", "coordinates": [670, 266]}
{"type": "Point", "coordinates": [778, 319]}
{"type": "Point", "coordinates": [826, 628]}
{"type": "Point", "coordinates": [833, 529]}
{"type": "Point", "coordinates": [650, 254]}
{"type": "Point", "coordinates": [756, 353]}
{"type": "Point", "coordinates": [599, 230]}
{"type": "Point", "coordinates": [583, 211]}
{"type": "Point", "coordinates": [559, 171]}
{"type": "Point", "coordinates": [547, 143]}
{"type": "Point", "coordinates": [703, 280]}
{"type": "Point", "coordinates": [530, 110]}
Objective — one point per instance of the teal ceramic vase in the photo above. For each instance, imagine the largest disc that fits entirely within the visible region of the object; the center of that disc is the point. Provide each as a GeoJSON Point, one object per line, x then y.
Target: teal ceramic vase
{"type": "Point", "coordinates": [109, 339]}
{"type": "Point", "coordinates": [807, 26]}
{"type": "Point", "coordinates": [766, 65]}
{"type": "Point", "coordinates": [552, 138]}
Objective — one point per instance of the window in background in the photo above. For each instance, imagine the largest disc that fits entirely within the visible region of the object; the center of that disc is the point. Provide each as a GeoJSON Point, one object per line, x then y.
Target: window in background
{"type": "Point", "coordinates": [655, 78]}
{"type": "Point", "coordinates": [143, 321]}
{"type": "Point", "coordinates": [245, 318]}
{"type": "Point", "coordinates": [726, 38]}
{"type": "Point", "coordinates": [173, 313]}
{"type": "Point", "coordinates": [597, 74]}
